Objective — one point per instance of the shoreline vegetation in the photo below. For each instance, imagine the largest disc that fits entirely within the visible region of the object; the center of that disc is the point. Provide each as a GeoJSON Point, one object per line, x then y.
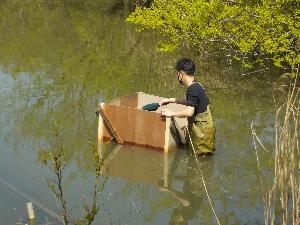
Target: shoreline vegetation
{"type": "Point", "coordinates": [281, 195]}
{"type": "Point", "coordinates": [256, 34]}
{"type": "Point", "coordinates": [284, 194]}
{"type": "Point", "coordinates": [251, 32]}
{"type": "Point", "coordinates": [57, 164]}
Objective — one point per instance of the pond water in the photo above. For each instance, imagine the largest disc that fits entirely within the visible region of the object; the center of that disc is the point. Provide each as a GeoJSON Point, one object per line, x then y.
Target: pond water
{"type": "Point", "coordinates": [57, 62]}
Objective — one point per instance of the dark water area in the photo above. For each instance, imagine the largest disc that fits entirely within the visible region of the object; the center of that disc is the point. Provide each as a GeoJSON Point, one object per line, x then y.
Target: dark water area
{"type": "Point", "coordinates": [58, 61]}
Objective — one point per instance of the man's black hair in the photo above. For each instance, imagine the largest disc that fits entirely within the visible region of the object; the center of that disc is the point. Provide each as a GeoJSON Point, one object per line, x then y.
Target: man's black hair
{"type": "Point", "coordinates": [186, 65]}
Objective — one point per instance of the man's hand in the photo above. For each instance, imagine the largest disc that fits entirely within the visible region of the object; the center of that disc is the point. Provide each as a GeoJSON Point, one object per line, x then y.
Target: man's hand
{"type": "Point", "coordinates": [166, 113]}
{"type": "Point", "coordinates": [166, 101]}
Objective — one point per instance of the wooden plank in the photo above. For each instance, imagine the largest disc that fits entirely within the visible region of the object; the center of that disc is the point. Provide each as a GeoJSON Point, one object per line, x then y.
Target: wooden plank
{"type": "Point", "coordinates": [139, 127]}
{"type": "Point", "coordinates": [100, 128]}
{"type": "Point", "coordinates": [130, 101]}
{"type": "Point", "coordinates": [107, 135]}
{"type": "Point", "coordinates": [104, 133]}
{"type": "Point", "coordinates": [166, 169]}
{"type": "Point", "coordinates": [144, 99]}
{"type": "Point", "coordinates": [167, 134]}
{"type": "Point", "coordinates": [179, 123]}
{"type": "Point", "coordinates": [109, 123]}
{"type": "Point", "coordinates": [136, 126]}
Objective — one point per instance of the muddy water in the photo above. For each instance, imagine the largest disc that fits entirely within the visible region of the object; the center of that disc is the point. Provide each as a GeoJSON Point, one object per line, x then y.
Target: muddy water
{"type": "Point", "coordinates": [57, 62]}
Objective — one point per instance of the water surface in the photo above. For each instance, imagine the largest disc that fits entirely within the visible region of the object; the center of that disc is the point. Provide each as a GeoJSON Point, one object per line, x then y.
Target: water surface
{"type": "Point", "coordinates": [58, 61]}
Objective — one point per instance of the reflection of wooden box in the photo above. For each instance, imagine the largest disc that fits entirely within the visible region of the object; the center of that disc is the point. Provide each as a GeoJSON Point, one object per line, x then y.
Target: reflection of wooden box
{"type": "Point", "coordinates": [130, 163]}
{"type": "Point", "coordinates": [124, 121]}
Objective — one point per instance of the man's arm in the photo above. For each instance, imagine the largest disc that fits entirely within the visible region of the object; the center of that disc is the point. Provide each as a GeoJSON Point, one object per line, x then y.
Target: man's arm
{"type": "Point", "coordinates": [188, 112]}
{"type": "Point", "coordinates": [166, 101]}
{"type": "Point", "coordinates": [181, 101]}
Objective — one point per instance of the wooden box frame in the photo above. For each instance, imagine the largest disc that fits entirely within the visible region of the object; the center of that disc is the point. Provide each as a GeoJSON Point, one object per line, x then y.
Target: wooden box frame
{"type": "Point", "coordinates": [123, 120]}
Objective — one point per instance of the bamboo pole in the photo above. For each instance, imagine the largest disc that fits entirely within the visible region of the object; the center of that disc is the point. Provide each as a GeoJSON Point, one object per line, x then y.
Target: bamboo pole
{"type": "Point", "coordinates": [30, 211]}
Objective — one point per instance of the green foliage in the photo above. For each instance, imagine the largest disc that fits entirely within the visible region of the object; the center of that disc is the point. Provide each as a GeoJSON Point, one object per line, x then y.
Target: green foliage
{"type": "Point", "coordinates": [56, 183]}
{"type": "Point", "coordinates": [255, 28]}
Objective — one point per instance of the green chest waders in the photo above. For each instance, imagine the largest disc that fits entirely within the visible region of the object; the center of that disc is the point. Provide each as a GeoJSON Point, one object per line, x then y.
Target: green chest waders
{"type": "Point", "coordinates": [202, 132]}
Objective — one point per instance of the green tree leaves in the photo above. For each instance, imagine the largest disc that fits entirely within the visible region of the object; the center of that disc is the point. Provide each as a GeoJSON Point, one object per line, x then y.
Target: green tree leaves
{"type": "Point", "coordinates": [248, 28]}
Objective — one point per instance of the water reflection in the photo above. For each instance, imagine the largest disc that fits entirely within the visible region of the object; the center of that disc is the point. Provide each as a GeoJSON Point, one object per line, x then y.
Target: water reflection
{"type": "Point", "coordinates": [57, 164]}
{"type": "Point", "coordinates": [59, 59]}
{"type": "Point", "coordinates": [191, 195]}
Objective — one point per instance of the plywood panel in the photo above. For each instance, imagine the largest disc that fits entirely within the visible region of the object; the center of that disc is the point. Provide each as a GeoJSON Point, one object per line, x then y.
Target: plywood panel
{"type": "Point", "coordinates": [137, 126]}
{"type": "Point", "coordinates": [107, 136]}
{"type": "Point", "coordinates": [144, 99]}
{"type": "Point", "coordinates": [129, 101]}
{"type": "Point", "coordinates": [179, 123]}
{"type": "Point", "coordinates": [142, 127]}
{"type": "Point", "coordinates": [109, 124]}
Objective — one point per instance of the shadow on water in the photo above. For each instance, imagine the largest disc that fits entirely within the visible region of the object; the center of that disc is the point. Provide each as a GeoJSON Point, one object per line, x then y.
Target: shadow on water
{"type": "Point", "coordinates": [59, 59]}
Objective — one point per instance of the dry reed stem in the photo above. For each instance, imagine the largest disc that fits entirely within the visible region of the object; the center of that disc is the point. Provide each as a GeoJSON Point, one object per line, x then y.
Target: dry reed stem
{"type": "Point", "coordinates": [281, 202]}
{"type": "Point", "coordinates": [255, 138]}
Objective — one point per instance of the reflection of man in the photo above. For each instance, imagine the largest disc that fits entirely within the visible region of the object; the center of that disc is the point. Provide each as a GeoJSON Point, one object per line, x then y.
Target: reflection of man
{"type": "Point", "coordinates": [190, 204]}
{"type": "Point", "coordinates": [200, 123]}
{"type": "Point", "coordinates": [192, 194]}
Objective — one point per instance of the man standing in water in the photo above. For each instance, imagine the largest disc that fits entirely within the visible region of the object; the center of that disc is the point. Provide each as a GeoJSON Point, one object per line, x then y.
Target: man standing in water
{"type": "Point", "coordinates": [201, 129]}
